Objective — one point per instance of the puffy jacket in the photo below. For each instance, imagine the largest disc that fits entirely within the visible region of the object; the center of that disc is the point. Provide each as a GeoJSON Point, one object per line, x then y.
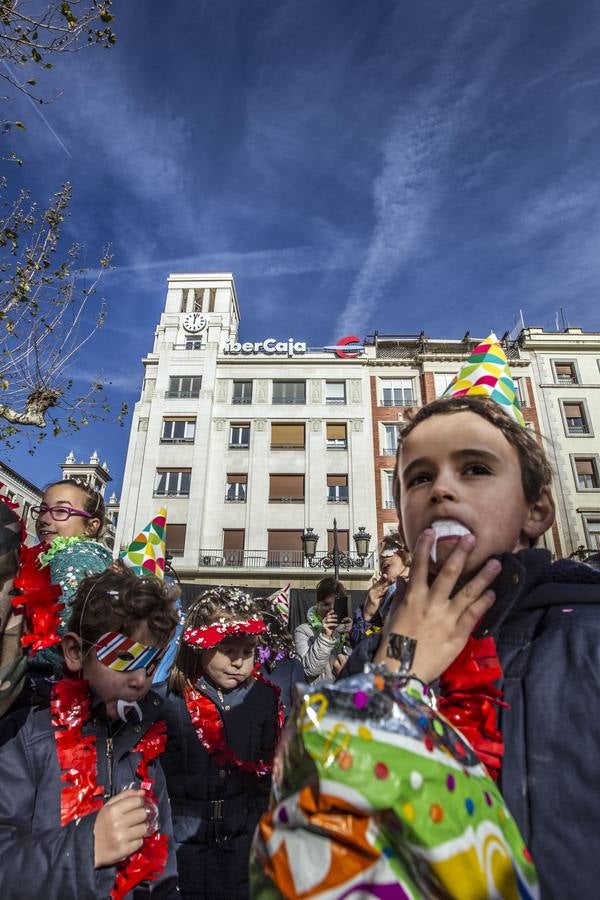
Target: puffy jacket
{"type": "Point", "coordinates": [546, 621]}
{"type": "Point", "coordinates": [38, 857]}
{"type": "Point", "coordinates": [316, 652]}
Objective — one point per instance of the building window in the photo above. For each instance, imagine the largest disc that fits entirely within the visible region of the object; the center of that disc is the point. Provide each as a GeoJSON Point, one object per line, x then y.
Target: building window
{"type": "Point", "coordinates": [289, 392]}
{"type": "Point", "coordinates": [565, 372]}
{"type": "Point", "coordinates": [575, 418]}
{"type": "Point", "coordinates": [586, 473]}
{"type": "Point", "coordinates": [178, 431]}
{"type": "Point", "coordinates": [233, 546]}
{"type": "Point", "coordinates": [521, 391]}
{"type": "Point", "coordinates": [172, 483]}
{"type": "Point", "coordinates": [337, 488]}
{"type": "Point", "coordinates": [25, 512]}
{"type": "Point", "coordinates": [242, 392]}
{"type": "Point", "coordinates": [235, 492]}
{"type": "Point", "coordinates": [286, 488]}
{"type": "Point", "coordinates": [343, 537]}
{"type": "Point", "coordinates": [441, 381]}
{"type": "Point", "coordinates": [239, 435]}
{"type": "Point", "coordinates": [198, 297]}
{"type": "Point", "coordinates": [390, 442]}
{"type": "Point", "coordinates": [193, 343]}
{"type": "Point", "coordinates": [287, 436]}
{"type": "Point", "coordinates": [397, 392]}
{"type": "Point", "coordinates": [175, 539]}
{"type": "Point", "coordinates": [212, 297]}
{"type": "Point", "coordinates": [184, 386]}
{"type": "Point", "coordinates": [337, 436]}
{"type": "Point", "coordinates": [335, 392]}
{"type": "Point", "coordinates": [592, 529]}
{"type": "Point", "coordinates": [388, 490]}
{"type": "Point", "coordinates": [284, 548]}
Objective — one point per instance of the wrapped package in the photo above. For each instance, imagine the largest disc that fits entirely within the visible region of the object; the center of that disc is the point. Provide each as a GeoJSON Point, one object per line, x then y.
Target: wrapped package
{"type": "Point", "coordinates": [376, 795]}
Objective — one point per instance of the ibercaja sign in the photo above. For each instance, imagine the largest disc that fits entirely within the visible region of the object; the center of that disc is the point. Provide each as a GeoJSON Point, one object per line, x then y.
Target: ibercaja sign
{"type": "Point", "coordinates": [346, 348]}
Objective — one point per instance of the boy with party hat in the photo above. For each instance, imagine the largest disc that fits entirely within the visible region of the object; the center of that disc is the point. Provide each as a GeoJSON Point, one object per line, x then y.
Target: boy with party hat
{"type": "Point", "coordinates": [510, 639]}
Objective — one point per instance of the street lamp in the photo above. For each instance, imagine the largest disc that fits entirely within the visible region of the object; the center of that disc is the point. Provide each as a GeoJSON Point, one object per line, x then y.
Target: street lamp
{"type": "Point", "coordinates": [336, 559]}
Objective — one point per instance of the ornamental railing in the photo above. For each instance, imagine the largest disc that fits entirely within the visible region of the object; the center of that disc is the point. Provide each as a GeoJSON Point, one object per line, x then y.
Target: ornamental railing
{"type": "Point", "coordinates": [269, 559]}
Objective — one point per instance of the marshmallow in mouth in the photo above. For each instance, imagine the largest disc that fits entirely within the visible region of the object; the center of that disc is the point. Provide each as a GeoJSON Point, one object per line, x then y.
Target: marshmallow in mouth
{"type": "Point", "coordinates": [446, 529]}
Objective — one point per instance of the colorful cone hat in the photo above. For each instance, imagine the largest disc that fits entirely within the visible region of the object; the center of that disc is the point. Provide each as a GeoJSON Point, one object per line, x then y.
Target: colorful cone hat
{"type": "Point", "coordinates": [146, 553]}
{"type": "Point", "coordinates": [486, 374]}
{"type": "Point", "coordinates": [280, 601]}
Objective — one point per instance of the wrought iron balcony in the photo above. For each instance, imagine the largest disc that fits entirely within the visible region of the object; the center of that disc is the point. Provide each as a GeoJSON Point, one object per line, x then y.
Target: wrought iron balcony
{"type": "Point", "coordinates": [268, 559]}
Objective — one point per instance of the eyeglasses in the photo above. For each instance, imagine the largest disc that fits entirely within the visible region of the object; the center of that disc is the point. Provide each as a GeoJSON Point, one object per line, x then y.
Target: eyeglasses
{"type": "Point", "coordinates": [58, 513]}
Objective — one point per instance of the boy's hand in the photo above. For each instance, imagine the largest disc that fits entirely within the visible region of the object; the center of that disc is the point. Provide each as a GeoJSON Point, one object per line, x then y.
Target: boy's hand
{"type": "Point", "coordinates": [441, 623]}
{"type": "Point", "coordinates": [120, 829]}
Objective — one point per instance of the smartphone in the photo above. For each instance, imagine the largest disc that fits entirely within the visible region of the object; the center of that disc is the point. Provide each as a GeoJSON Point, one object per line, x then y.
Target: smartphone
{"type": "Point", "coordinates": [340, 608]}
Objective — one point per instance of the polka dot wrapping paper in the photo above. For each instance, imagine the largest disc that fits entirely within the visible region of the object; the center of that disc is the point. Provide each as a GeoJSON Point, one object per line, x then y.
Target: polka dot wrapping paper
{"type": "Point", "coordinates": [376, 795]}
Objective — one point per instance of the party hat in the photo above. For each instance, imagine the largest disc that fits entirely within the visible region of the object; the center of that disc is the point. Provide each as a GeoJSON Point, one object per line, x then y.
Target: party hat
{"type": "Point", "coordinates": [280, 601]}
{"type": "Point", "coordinates": [146, 553]}
{"type": "Point", "coordinates": [486, 374]}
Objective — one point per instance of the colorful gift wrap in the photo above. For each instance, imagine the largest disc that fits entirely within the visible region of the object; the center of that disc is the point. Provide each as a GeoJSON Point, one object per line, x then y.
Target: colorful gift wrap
{"type": "Point", "coordinates": [376, 795]}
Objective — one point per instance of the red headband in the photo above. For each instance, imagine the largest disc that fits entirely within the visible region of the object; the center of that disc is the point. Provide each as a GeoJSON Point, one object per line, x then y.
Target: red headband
{"type": "Point", "coordinates": [208, 636]}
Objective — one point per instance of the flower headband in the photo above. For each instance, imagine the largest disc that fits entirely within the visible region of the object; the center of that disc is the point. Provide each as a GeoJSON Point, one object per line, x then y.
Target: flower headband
{"type": "Point", "coordinates": [207, 636]}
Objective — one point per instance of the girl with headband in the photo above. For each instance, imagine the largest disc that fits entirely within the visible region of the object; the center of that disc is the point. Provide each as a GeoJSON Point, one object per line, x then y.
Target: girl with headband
{"type": "Point", "coordinates": [223, 723]}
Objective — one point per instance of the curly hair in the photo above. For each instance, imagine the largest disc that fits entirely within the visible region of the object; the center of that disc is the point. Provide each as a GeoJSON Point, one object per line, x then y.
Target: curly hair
{"type": "Point", "coordinates": [536, 473]}
{"type": "Point", "coordinates": [218, 604]}
{"type": "Point", "coordinates": [118, 600]}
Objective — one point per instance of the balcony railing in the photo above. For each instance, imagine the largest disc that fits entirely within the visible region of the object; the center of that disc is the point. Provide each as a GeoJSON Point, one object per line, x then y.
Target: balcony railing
{"type": "Point", "coordinates": [267, 559]}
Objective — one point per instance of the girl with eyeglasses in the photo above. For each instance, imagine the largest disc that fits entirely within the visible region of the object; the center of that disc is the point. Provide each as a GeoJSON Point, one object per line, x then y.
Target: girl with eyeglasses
{"type": "Point", "coordinates": [69, 523]}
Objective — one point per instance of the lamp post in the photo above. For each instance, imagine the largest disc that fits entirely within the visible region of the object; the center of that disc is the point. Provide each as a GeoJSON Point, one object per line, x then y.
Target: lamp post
{"type": "Point", "coordinates": [337, 558]}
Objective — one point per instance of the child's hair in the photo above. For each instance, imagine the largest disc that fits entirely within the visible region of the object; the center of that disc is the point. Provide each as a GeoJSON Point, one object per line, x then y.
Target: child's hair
{"type": "Point", "coordinates": [219, 604]}
{"type": "Point", "coordinates": [328, 586]}
{"type": "Point", "coordinates": [535, 468]}
{"type": "Point", "coordinates": [395, 542]}
{"type": "Point", "coordinates": [93, 503]}
{"type": "Point", "coordinates": [118, 600]}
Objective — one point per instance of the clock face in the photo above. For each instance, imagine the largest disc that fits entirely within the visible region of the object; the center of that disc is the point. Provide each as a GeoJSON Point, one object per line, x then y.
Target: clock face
{"type": "Point", "coordinates": [194, 322]}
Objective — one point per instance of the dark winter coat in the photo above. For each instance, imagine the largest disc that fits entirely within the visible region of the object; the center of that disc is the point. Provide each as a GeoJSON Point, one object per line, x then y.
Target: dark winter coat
{"type": "Point", "coordinates": [38, 857]}
{"type": "Point", "coordinates": [546, 621]}
{"type": "Point", "coordinates": [216, 808]}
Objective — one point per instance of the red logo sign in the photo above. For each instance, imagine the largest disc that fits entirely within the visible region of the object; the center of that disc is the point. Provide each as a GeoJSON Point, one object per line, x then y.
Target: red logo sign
{"type": "Point", "coordinates": [348, 354]}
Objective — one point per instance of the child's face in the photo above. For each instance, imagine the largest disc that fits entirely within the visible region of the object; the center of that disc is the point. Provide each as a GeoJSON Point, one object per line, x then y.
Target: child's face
{"type": "Point", "coordinates": [111, 686]}
{"type": "Point", "coordinates": [67, 496]}
{"type": "Point", "coordinates": [460, 467]}
{"type": "Point", "coordinates": [231, 662]}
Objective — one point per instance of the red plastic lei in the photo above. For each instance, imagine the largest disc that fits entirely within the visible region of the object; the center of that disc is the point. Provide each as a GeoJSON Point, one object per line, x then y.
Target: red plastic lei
{"type": "Point", "coordinates": [207, 636]}
{"type": "Point", "coordinates": [77, 758]}
{"type": "Point", "coordinates": [210, 729]}
{"type": "Point", "coordinates": [39, 598]}
{"type": "Point", "coordinates": [470, 699]}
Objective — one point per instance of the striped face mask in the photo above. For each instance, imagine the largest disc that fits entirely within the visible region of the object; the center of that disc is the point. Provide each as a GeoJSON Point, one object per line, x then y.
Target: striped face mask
{"type": "Point", "coordinates": [120, 653]}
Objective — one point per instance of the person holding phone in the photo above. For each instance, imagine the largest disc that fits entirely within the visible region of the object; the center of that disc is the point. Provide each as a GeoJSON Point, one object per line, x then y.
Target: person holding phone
{"type": "Point", "coordinates": [322, 641]}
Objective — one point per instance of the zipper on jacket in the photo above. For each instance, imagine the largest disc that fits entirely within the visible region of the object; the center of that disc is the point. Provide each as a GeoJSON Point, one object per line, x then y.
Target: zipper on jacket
{"type": "Point", "coordinates": [109, 761]}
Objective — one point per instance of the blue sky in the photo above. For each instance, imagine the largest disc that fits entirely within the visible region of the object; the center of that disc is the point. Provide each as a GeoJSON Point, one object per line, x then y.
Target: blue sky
{"type": "Point", "coordinates": [357, 165]}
